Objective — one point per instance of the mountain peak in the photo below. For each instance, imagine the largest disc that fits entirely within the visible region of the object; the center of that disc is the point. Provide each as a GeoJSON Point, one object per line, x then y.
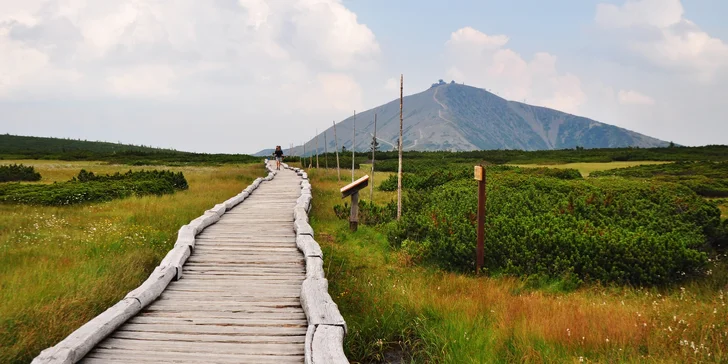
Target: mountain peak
{"type": "Point", "coordinates": [457, 117]}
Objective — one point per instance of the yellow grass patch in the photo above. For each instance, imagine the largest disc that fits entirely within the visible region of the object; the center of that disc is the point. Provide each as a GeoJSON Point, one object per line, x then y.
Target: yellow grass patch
{"type": "Point", "coordinates": [61, 266]}
{"type": "Point", "coordinates": [588, 168]}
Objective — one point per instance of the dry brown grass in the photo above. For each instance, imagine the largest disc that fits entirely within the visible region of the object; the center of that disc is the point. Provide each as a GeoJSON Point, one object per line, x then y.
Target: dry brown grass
{"type": "Point", "coordinates": [462, 318]}
{"type": "Point", "coordinates": [61, 266]}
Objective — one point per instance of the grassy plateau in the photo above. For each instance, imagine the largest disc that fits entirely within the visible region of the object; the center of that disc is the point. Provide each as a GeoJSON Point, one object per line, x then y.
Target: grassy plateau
{"type": "Point", "coordinates": [401, 310]}
{"type": "Point", "coordinates": [61, 266]}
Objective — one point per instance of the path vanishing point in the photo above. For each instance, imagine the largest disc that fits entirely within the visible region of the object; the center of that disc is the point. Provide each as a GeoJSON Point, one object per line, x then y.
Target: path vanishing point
{"type": "Point", "coordinates": [244, 284]}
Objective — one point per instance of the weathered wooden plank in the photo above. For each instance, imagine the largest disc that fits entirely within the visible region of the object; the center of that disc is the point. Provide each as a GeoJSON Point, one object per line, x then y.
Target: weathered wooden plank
{"type": "Point", "coordinates": [308, 246]}
{"type": "Point", "coordinates": [146, 356]}
{"type": "Point", "coordinates": [318, 304]}
{"type": "Point", "coordinates": [285, 322]}
{"type": "Point", "coordinates": [215, 329]}
{"type": "Point", "coordinates": [314, 267]}
{"type": "Point", "coordinates": [301, 227]}
{"type": "Point", "coordinates": [153, 286]}
{"type": "Point", "coordinates": [221, 348]}
{"type": "Point", "coordinates": [176, 258]}
{"type": "Point", "coordinates": [223, 314]}
{"type": "Point", "coordinates": [328, 345]}
{"type": "Point", "coordinates": [81, 341]}
{"type": "Point", "coordinates": [308, 344]}
{"type": "Point", "coordinates": [211, 338]}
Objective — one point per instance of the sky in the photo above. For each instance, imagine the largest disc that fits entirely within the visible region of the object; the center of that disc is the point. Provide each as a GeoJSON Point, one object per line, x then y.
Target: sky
{"type": "Point", "coordinates": [238, 76]}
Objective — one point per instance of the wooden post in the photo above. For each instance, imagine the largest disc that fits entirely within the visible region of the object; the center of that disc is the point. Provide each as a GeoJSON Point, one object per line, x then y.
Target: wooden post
{"type": "Point", "coordinates": [374, 149]}
{"type": "Point", "coordinates": [317, 150]}
{"type": "Point", "coordinates": [352, 190]}
{"type": "Point", "coordinates": [353, 156]}
{"type": "Point", "coordinates": [303, 156]}
{"type": "Point", "coordinates": [399, 173]}
{"type": "Point", "coordinates": [326, 153]}
{"type": "Point", "coordinates": [336, 144]}
{"type": "Point", "coordinates": [480, 176]}
{"type": "Point", "coordinates": [354, 214]}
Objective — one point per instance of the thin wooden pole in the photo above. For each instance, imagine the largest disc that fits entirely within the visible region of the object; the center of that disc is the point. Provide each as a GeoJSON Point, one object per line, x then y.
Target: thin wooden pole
{"type": "Point", "coordinates": [303, 156]}
{"type": "Point", "coordinates": [374, 149]}
{"type": "Point", "coordinates": [317, 150]}
{"type": "Point", "coordinates": [481, 222]}
{"type": "Point", "coordinates": [353, 137]}
{"type": "Point", "coordinates": [326, 152]}
{"type": "Point", "coordinates": [336, 144]}
{"type": "Point", "coordinates": [399, 173]}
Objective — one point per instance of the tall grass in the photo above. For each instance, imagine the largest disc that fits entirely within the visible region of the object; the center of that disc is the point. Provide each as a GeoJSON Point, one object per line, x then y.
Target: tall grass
{"type": "Point", "coordinates": [397, 310]}
{"type": "Point", "coordinates": [61, 266]}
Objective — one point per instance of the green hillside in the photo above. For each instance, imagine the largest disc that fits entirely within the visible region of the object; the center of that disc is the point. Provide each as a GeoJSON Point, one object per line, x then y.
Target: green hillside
{"type": "Point", "coordinates": [26, 147]}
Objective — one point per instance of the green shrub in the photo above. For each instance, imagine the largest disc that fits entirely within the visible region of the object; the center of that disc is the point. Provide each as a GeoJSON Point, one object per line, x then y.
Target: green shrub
{"type": "Point", "coordinates": [17, 173]}
{"type": "Point", "coordinates": [709, 179]}
{"type": "Point", "coordinates": [603, 230]}
{"type": "Point", "coordinates": [87, 187]}
{"type": "Point", "coordinates": [428, 179]}
{"type": "Point", "coordinates": [369, 213]}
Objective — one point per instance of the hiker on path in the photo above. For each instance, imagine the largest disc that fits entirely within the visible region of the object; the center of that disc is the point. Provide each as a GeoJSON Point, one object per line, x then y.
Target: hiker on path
{"type": "Point", "coordinates": [279, 156]}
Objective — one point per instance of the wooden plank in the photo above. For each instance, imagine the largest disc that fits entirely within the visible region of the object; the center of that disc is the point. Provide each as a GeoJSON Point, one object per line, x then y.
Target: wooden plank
{"type": "Point", "coordinates": [222, 314]}
{"type": "Point", "coordinates": [215, 329]}
{"type": "Point", "coordinates": [209, 338]}
{"type": "Point", "coordinates": [75, 346]}
{"type": "Point", "coordinates": [146, 356]}
{"type": "Point", "coordinates": [212, 348]}
{"type": "Point", "coordinates": [286, 322]}
{"type": "Point", "coordinates": [318, 305]}
{"type": "Point", "coordinates": [328, 345]}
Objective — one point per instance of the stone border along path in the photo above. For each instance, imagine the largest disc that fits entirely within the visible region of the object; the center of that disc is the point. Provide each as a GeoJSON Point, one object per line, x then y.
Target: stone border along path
{"type": "Point", "coordinates": [247, 294]}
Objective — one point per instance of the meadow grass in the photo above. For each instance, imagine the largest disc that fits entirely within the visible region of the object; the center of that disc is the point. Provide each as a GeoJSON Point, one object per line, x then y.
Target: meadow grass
{"type": "Point", "coordinates": [398, 311]}
{"type": "Point", "coordinates": [587, 168]}
{"type": "Point", "coordinates": [61, 266]}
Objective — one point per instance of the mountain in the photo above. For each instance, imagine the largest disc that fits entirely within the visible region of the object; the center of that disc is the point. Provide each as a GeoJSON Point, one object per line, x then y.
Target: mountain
{"type": "Point", "coordinates": [458, 117]}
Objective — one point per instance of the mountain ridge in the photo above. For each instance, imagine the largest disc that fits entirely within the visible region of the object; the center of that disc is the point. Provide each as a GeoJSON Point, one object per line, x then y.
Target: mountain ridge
{"type": "Point", "coordinates": [457, 117]}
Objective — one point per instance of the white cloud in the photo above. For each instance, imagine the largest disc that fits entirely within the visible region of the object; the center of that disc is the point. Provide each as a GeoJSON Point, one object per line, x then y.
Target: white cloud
{"type": "Point", "coordinates": [341, 92]}
{"type": "Point", "coordinates": [468, 35]}
{"type": "Point", "coordinates": [631, 97]}
{"type": "Point", "coordinates": [143, 81]}
{"type": "Point", "coordinates": [120, 41]}
{"type": "Point", "coordinates": [229, 62]}
{"type": "Point", "coordinates": [657, 31]}
{"type": "Point", "coordinates": [483, 60]}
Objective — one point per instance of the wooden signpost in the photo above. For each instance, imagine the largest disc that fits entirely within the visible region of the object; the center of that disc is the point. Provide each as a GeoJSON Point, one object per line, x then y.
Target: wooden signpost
{"type": "Point", "coordinates": [352, 189]}
{"type": "Point", "coordinates": [480, 176]}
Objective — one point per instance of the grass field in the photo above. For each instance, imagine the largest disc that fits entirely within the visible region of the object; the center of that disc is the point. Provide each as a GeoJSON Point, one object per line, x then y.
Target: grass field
{"type": "Point", "coordinates": [587, 168]}
{"type": "Point", "coordinates": [397, 310]}
{"type": "Point", "coordinates": [61, 266]}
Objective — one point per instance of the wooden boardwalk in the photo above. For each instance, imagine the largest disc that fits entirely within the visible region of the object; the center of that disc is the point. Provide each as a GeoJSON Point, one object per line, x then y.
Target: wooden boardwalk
{"type": "Point", "coordinates": [239, 298]}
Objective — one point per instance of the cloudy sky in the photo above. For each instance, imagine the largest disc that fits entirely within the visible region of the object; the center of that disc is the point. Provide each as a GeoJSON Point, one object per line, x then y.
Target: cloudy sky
{"type": "Point", "coordinates": [243, 75]}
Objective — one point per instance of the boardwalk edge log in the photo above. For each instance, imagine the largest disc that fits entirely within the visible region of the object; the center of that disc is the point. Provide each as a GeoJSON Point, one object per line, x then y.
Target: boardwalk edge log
{"type": "Point", "coordinates": [324, 341]}
{"type": "Point", "coordinates": [76, 345]}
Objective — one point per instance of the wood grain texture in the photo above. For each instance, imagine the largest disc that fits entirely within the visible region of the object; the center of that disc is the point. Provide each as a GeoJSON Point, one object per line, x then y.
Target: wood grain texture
{"type": "Point", "coordinates": [318, 304]}
{"type": "Point", "coordinates": [327, 345]}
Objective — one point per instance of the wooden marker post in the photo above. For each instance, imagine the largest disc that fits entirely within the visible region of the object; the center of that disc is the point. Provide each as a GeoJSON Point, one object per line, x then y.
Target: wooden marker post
{"type": "Point", "coordinates": [353, 145]}
{"type": "Point", "coordinates": [352, 190]}
{"type": "Point", "coordinates": [336, 145]}
{"type": "Point", "coordinates": [326, 153]}
{"type": "Point", "coordinates": [480, 176]}
{"type": "Point", "coordinates": [374, 149]}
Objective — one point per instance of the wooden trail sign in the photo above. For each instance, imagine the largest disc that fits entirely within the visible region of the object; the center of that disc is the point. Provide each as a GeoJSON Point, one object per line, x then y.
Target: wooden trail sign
{"type": "Point", "coordinates": [352, 189]}
{"type": "Point", "coordinates": [480, 176]}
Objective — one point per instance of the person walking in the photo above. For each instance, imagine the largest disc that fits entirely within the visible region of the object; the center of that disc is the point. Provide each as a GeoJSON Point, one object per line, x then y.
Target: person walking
{"type": "Point", "coordinates": [279, 156]}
